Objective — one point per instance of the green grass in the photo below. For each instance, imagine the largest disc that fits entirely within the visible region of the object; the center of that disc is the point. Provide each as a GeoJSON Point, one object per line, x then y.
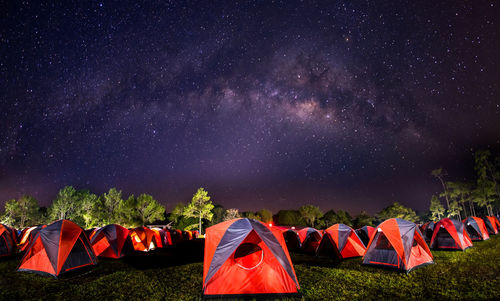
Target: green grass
{"type": "Point", "coordinates": [176, 274]}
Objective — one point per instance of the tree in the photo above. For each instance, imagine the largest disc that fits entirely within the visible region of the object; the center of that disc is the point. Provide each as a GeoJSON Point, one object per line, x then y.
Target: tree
{"type": "Point", "coordinates": [110, 203]}
{"type": "Point", "coordinates": [126, 212]}
{"type": "Point", "coordinates": [231, 214]}
{"type": "Point", "coordinates": [461, 192]}
{"type": "Point", "coordinates": [21, 213]}
{"type": "Point", "coordinates": [363, 219]}
{"type": "Point", "coordinates": [343, 217]}
{"type": "Point", "coordinates": [90, 209]}
{"type": "Point", "coordinates": [200, 207]}
{"type": "Point", "coordinates": [66, 205]}
{"type": "Point", "coordinates": [148, 209]}
{"type": "Point", "coordinates": [266, 216]}
{"type": "Point", "coordinates": [218, 215]}
{"type": "Point", "coordinates": [436, 209]}
{"type": "Point", "coordinates": [396, 210]}
{"type": "Point", "coordinates": [250, 215]}
{"type": "Point", "coordinates": [310, 214]}
{"type": "Point", "coordinates": [486, 184]}
{"type": "Point", "coordinates": [454, 210]}
{"type": "Point", "coordinates": [289, 218]}
{"type": "Point", "coordinates": [440, 174]}
{"type": "Point", "coordinates": [329, 218]}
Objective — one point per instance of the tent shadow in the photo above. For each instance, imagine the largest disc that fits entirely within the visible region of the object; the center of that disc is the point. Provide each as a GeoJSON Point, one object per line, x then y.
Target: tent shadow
{"type": "Point", "coordinates": [179, 254]}
{"type": "Point", "coordinates": [312, 260]}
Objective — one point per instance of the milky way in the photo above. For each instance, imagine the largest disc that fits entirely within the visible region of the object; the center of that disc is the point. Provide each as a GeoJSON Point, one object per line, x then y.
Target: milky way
{"type": "Point", "coordinates": [265, 104]}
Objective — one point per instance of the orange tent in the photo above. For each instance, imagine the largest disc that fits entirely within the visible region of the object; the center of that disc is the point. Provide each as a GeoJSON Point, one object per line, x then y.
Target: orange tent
{"type": "Point", "coordinates": [7, 241]}
{"type": "Point", "coordinates": [143, 239]}
{"type": "Point", "coordinates": [398, 244]}
{"type": "Point", "coordinates": [491, 224]}
{"type": "Point", "coordinates": [451, 235]}
{"type": "Point", "coordinates": [341, 241]}
{"type": "Point", "coordinates": [111, 241]}
{"type": "Point", "coordinates": [58, 248]}
{"type": "Point", "coordinates": [246, 257]}
{"type": "Point", "coordinates": [476, 228]}
{"type": "Point", "coordinates": [309, 239]}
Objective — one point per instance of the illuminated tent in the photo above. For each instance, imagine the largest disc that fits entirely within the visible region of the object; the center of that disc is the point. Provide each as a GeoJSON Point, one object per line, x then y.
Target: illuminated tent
{"type": "Point", "coordinates": [246, 257]}
{"type": "Point", "coordinates": [292, 240]}
{"type": "Point", "coordinates": [476, 229]}
{"type": "Point", "coordinates": [27, 236]}
{"type": "Point", "coordinates": [163, 236]}
{"type": "Point", "coordinates": [340, 241]}
{"type": "Point", "coordinates": [111, 241]}
{"type": "Point", "coordinates": [59, 248]}
{"type": "Point", "coordinates": [427, 229]}
{"type": "Point", "coordinates": [398, 244]}
{"type": "Point", "coordinates": [450, 234]}
{"type": "Point", "coordinates": [491, 224]}
{"type": "Point", "coordinates": [309, 239]}
{"type": "Point", "coordinates": [158, 237]}
{"type": "Point", "coordinates": [7, 241]}
{"type": "Point", "coordinates": [144, 239]}
{"type": "Point", "coordinates": [365, 233]}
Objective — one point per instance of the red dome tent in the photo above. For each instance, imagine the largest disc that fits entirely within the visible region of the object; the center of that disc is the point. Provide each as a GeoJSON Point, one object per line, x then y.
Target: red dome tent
{"type": "Point", "coordinates": [365, 233]}
{"type": "Point", "coordinates": [476, 228]}
{"type": "Point", "coordinates": [427, 229]}
{"type": "Point", "coordinates": [7, 241]}
{"type": "Point", "coordinates": [309, 239]}
{"type": "Point", "coordinates": [292, 240]}
{"type": "Point", "coordinates": [340, 241]}
{"type": "Point", "coordinates": [144, 239]}
{"type": "Point", "coordinates": [246, 257]}
{"type": "Point", "coordinates": [58, 248]}
{"type": "Point", "coordinates": [449, 234]}
{"type": "Point", "coordinates": [163, 236]}
{"type": "Point", "coordinates": [111, 241]}
{"type": "Point", "coordinates": [491, 224]}
{"type": "Point", "coordinates": [398, 244]}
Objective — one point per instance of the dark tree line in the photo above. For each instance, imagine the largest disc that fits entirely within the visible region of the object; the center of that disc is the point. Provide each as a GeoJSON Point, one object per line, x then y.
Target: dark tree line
{"type": "Point", "coordinates": [469, 198]}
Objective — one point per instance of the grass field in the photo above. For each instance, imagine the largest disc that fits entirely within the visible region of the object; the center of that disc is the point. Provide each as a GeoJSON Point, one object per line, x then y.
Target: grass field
{"type": "Point", "coordinates": [176, 274]}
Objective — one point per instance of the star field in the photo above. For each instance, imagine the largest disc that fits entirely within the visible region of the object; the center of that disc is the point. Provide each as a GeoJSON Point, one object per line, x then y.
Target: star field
{"type": "Point", "coordinates": [264, 103]}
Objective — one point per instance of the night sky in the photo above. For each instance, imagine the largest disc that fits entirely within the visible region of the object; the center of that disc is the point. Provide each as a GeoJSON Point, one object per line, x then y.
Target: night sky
{"type": "Point", "coordinates": [342, 104]}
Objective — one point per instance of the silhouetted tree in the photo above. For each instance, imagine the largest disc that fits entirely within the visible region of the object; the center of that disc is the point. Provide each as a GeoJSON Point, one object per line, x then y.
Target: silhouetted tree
{"type": "Point", "coordinates": [200, 207]}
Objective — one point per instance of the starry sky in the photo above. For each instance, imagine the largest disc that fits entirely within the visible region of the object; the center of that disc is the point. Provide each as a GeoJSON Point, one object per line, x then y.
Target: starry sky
{"type": "Point", "coordinates": [342, 104]}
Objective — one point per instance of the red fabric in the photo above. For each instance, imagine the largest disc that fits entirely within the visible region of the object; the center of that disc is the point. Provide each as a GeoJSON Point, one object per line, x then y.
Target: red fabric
{"type": "Point", "coordinates": [391, 230]}
{"type": "Point", "coordinates": [256, 273]}
{"type": "Point", "coordinates": [36, 259]}
{"type": "Point", "coordinates": [493, 222]}
{"type": "Point", "coordinates": [482, 227]}
{"type": "Point", "coordinates": [353, 246]}
{"type": "Point", "coordinates": [419, 254]}
{"type": "Point", "coordinates": [7, 236]}
{"type": "Point", "coordinates": [102, 246]}
{"type": "Point", "coordinates": [142, 239]}
{"type": "Point", "coordinates": [69, 234]}
{"type": "Point", "coordinates": [448, 225]}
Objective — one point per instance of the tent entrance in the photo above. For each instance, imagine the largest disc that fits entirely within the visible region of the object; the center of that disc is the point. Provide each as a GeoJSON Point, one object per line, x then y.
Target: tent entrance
{"type": "Point", "coordinates": [445, 240]}
{"type": "Point", "coordinates": [248, 256]}
{"type": "Point", "coordinates": [383, 253]}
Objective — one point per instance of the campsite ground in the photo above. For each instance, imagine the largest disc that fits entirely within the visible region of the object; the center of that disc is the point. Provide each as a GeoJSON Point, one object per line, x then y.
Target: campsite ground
{"type": "Point", "coordinates": [175, 274]}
